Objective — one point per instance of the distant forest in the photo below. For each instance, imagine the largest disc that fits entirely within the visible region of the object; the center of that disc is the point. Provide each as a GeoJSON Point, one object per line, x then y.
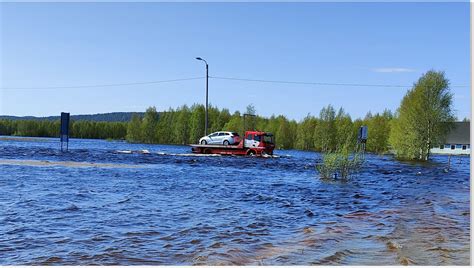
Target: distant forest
{"type": "Point", "coordinates": [105, 117]}
{"type": "Point", "coordinates": [185, 125]}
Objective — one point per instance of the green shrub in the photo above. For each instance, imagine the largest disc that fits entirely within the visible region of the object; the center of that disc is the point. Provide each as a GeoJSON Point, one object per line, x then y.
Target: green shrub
{"type": "Point", "coordinates": [340, 164]}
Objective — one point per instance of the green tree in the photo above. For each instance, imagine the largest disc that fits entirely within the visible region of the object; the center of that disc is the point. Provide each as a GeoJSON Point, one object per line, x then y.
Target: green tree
{"type": "Point", "coordinates": [182, 129]}
{"type": "Point", "coordinates": [422, 120]}
{"type": "Point", "coordinates": [284, 133]}
{"type": "Point", "coordinates": [164, 128]}
{"type": "Point", "coordinates": [214, 123]}
{"type": "Point", "coordinates": [325, 131]}
{"type": "Point", "coordinates": [149, 123]}
{"type": "Point", "coordinates": [345, 135]}
{"type": "Point", "coordinates": [134, 129]}
{"type": "Point", "coordinates": [7, 127]}
{"type": "Point", "coordinates": [196, 122]}
{"type": "Point", "coordinates": [305, 132]}
{"type": "Point", "coordinates": [379, 131]}
{"type": "Point", "coordinates": [273, 127]}
{"type": "Point", "coordinates": [250, 117]}
{"type": "Point", "coordinates": [235, 123]}
{"type": "Point", "coordinates": [222, 119]}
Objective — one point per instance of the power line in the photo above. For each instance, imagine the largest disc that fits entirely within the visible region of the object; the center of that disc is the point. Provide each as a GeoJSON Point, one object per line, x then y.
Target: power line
{"type": "Point", "coordinates": [219, 78]}
{"type": "Point", "coordinates": [108, 85]}
{"type": "Point", "coordinates": [313, 83]}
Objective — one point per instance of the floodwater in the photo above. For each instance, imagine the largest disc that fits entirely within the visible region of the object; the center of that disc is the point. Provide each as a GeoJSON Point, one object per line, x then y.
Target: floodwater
{"type": "Point", "coordinates": [109, 203]}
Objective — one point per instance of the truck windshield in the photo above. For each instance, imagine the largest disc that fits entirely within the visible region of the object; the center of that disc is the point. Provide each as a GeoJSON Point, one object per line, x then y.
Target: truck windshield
{"type": "Point", "coordinates": [268, 138]}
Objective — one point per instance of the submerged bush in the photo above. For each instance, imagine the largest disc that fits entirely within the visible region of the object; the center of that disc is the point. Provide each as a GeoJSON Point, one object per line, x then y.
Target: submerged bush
{"type": "Point", "coordinates": [340, 164]}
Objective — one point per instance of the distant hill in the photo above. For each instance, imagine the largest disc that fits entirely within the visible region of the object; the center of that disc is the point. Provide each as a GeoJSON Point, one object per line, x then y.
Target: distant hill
{"type": "Point", "coordinates": [106, 117]}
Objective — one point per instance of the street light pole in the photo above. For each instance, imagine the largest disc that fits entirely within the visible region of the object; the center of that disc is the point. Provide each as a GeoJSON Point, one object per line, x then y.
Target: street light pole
{"type": "Point", "coordinates": [207, 92]}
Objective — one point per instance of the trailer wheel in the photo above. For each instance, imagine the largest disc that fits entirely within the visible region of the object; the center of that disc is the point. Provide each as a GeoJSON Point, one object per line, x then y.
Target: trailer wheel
{"type": "Point", "coordinates": [207, 151]}
{"type": "Point", "coordinates": [251, 153]}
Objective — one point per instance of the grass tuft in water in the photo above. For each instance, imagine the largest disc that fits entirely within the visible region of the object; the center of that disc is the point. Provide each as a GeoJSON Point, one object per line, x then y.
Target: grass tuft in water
{"type": "Point", "coordinates": [340, 164]}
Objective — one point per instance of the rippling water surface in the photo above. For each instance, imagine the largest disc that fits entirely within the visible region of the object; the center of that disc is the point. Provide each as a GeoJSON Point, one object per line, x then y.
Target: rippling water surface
{"type": "Point", "coordinates": [96, 205]}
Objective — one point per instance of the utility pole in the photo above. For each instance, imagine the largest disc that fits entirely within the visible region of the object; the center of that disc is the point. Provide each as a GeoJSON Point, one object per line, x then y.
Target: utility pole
{"type": "Point", "coordinates": [207, 94]}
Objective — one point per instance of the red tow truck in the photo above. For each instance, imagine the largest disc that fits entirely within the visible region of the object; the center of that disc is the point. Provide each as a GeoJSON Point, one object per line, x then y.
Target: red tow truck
{"type": "Point", "coordinates": [256, 143]}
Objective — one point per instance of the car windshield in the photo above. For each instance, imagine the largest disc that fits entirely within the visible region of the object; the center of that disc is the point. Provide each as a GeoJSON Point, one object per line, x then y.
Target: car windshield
{"type": "Point", "coordinates": [268, 138]}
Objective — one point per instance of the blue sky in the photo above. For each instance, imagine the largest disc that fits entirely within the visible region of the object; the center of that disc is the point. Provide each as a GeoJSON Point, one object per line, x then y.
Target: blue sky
{"type": "Point", "coordinates": [66, 44]}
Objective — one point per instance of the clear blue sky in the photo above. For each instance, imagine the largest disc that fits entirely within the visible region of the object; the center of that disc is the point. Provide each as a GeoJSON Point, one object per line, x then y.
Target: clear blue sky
{"type": "Point", "coordinates": [60, 44]}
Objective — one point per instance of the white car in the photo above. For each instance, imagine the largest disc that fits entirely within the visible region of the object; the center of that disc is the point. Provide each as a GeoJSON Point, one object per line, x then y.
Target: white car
{"type": "Point", "coordinates": [221, 137]}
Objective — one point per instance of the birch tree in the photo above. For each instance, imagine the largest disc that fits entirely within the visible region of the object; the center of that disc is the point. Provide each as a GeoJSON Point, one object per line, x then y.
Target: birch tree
{"type": "Point", "coordinates": [423, 118]}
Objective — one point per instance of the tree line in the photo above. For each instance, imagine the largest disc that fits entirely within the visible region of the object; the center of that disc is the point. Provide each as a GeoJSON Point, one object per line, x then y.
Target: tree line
{"type": "Point", "coordinates": [50, 128]}
{"type": "Point", "coordinates": [327, 132]}
{"type": "Point", "coordinates": [417, 125]}
{"type": "Point", "coordinates": [185, 125]}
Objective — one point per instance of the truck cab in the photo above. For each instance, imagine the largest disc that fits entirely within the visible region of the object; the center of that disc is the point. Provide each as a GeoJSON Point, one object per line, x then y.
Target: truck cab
{"type": "Point", "coordinates": [259, 142]}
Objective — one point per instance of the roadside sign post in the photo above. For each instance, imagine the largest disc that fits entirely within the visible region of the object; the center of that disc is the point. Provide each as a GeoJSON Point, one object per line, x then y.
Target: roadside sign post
{"type": "Point", "coordinates": [362, 137]}
{"type": "Point", "coordinates": [64, 131]}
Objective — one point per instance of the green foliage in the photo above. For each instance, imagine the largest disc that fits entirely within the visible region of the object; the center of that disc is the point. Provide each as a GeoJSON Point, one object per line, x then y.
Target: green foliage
{"type": "Point", "coordinates": [134, 132]}
{"type": "Point", "coordinates": [422, 118]}
{"type": "Point", "coordinates": [96, 130]}
{"type": "Point", "coordinates": [181, 127]}
{"type": "Point", "coordinates": [149, 124]}
{"type": "Point", "coordinates": [235, 123]}
{"type": "Point", "coordinates": [185, 125]}
{"type": "Point", "coordinates": [341, 163]}
{"type": "Point", "coordinates": [32, 128]}
{"type": "Point", "coordinates": [215, 120]}
{"type": "Point", "coordinates": [379, 131]}
{"type": "Point", "coordinates": [164, 130]}
{"type": "Point", "coordinates": [344, 131]}
{"type": "Point", "coordinates": [8, 127]}
{"type": "Point", "coordinates": [305, 133]}
{"type": "Point", "coordinates": [196, 123]}
{"type": "Point", "coordinates": [250, 118]}
{"type": "Point", "coordinates": [78, 129]}
{"type": "Point", "coordinates": [325, 132]}
{"type": "Point", "coordinates": [284, 133]}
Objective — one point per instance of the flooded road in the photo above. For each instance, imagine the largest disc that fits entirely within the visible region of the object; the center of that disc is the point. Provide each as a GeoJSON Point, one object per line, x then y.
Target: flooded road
{"type": "Point", "coordinates": [114, 203]}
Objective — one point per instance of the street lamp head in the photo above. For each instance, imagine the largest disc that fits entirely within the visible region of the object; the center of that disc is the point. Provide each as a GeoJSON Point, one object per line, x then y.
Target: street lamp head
{"type": "Point", "coordinates": [198, 58]}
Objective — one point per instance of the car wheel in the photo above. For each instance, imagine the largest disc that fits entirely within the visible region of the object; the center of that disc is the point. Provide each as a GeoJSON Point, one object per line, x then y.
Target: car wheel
{"type": "Point", "coordinates": [203, 142]}
{"type": "Point", "coordinates": [226, 143]}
